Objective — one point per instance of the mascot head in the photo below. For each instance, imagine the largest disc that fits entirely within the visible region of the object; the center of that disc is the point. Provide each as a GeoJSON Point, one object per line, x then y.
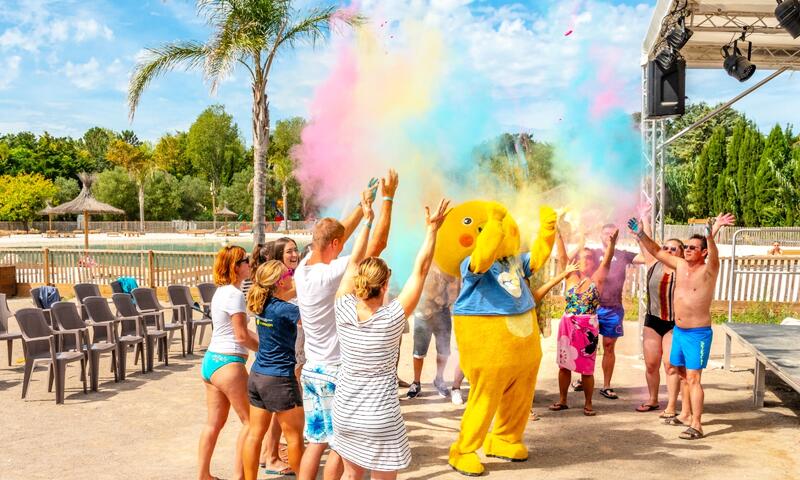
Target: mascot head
{"type": "Point", "coordinates": [458, 235]}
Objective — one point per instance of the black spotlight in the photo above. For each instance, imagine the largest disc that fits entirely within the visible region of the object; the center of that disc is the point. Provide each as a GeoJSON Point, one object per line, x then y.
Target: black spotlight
{"type": "Point", "coordinates": [666, 57]}
{"type": "Point", "coordinates": [788, 14]}
{"type": "Point", "coordinates": [678, 35]}
{"type": "Point", "coordinates": [737, 65]}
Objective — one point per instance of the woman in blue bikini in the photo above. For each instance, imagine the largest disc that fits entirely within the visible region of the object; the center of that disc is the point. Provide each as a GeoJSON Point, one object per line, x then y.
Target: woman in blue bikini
{"type": "Point", "coordinates": [223, 368]}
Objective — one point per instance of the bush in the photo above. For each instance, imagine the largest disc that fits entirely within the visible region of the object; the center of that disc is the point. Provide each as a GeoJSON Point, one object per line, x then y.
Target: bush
{"type": "Point", "coordinates": [116, 188]}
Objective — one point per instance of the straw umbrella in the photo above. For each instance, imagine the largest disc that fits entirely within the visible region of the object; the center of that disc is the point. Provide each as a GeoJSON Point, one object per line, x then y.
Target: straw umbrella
{"type": "Point", "coordinates": [48, 210]}
{"type": "Point", "coordinates": [85, 204]}
{"type": "Point", "coordinates": [226, 213]}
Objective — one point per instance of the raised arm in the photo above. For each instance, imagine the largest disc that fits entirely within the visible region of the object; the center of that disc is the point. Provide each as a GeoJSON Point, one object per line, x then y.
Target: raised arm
{"type": "Point", "coordinates": [599, 276]}
{"type": "Point", "coordinates": [488, 241]}
{"type": "Point", "coordinates": [540, 292]}
{"type": "Point", "coordinates": [351, 221]}
{"type": "Point", "coordinates": [722, 220]}
{"type": "Point", "coordinates": [561, 252]}
{"type": "Point", "coordinates": [644, 255]}
{"type": "Point", "coordinates": [380, 236]}
{"type": "Point", "coordinates": [409, 296]}
{"type": "Point", "coordinates": [542, 246]}
{"type": "Point", "coordinates": [647, 243]}
{"type": "Point", "coordinates": [360, 247]}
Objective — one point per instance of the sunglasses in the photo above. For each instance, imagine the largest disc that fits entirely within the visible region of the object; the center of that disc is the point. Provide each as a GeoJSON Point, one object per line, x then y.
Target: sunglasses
{"type": "Point", "coordinates": [693, 247]}
{"type": "Point", "coordinates": [670, 249]}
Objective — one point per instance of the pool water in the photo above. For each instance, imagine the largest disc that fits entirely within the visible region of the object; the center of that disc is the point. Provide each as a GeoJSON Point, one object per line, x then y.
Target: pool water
{"type": "Point", "coordinates": [212, 246]}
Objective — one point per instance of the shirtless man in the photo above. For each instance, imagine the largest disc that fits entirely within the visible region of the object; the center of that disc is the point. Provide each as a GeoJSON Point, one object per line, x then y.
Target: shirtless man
{"type": "Point", "coordinates": [694, 289]}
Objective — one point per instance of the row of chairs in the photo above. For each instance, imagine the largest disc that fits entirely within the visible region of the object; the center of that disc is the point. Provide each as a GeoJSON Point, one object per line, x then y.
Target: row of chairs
{"type": "Point", "coordinates": [60, 335]}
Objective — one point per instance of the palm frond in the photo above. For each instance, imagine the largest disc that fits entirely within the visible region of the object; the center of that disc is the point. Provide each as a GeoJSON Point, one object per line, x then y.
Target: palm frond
{"type": "Point", "coordinates": [159, 60]}
{"type": "Point", "coordinates": [315, 25]}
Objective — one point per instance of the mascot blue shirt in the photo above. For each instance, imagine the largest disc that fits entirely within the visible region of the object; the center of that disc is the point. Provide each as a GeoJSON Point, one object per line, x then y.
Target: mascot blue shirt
{"type": "Point", "coordinates": [502, 290]}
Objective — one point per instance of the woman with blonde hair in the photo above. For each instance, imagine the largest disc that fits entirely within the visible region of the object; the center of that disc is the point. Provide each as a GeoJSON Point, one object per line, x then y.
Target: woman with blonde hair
{"type": "Point", "coordinates": [368, 428]}
{"type": "Point", "coordinates": [223, 369]}
{"type": "Point", "coordinates": [273, 386]}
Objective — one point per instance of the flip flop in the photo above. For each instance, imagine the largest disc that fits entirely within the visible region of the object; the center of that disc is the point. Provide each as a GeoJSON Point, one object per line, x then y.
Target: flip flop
{"type": "Point", "coordinates": [557, 407]}
{"type": "Point", "coordinates": [666, 416]}
{"type": "Point", "coordinates": [691, 434]}
{"type": "Point", "coordinates": [647, 408]}
{"type": "Point", "coordinates": [588, 412]}
{"type": "Point", "coordinates": [674, 421]}
{"type": "Point", "coordinates": [284, 472]}
{"type": "Point", "coordinates": [608, 393]}
{"type": "Point", "coordinates": [577, 386]}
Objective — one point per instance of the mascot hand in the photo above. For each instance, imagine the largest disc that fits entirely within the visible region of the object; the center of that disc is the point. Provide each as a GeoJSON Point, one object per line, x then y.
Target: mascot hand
{"type": "Point", "coordinates": [547, 217]}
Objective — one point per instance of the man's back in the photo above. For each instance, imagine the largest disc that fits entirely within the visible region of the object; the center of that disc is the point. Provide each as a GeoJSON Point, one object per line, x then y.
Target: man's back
{"type": "Point", "coordinates": [316, 291]}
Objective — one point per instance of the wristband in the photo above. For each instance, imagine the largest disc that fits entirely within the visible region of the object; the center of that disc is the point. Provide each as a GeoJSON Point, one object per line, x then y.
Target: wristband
{"type": "Point", "coordinates": [640, 234]}
{"type": "Point", "coordinates": [368, 224]}
{"type": "Point", "coordinates": [388, 199]}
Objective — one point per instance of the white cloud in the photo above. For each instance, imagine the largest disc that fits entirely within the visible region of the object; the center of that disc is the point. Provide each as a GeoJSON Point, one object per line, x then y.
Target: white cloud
{"type": "Point", "coordinates": [9, 70]}
{"type": "Point", "coordinates": [90, 29]}
{"type": "Point", "coordinates": [86, 76]}
{"type": "Point", "coordinates": [14, 38]}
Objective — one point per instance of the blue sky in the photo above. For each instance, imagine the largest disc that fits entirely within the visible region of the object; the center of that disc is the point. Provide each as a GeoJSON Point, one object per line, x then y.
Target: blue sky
{"type": "Point", "coordinates": [64, 64]}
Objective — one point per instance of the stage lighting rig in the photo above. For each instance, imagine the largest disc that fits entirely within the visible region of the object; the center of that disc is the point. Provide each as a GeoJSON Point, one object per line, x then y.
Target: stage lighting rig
{"type": "Point", "coordinates": [788, 14]}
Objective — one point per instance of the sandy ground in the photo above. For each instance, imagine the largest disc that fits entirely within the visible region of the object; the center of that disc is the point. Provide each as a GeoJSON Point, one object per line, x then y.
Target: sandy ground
{"type": "Point", "coordinates": [148, 426]}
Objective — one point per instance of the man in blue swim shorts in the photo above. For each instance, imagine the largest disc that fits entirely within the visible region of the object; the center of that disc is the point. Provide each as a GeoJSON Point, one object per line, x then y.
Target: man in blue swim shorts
{"type": "Point", "coordinates": [611, 314]}
{"type": "Point", "coordinates": [695, 278]}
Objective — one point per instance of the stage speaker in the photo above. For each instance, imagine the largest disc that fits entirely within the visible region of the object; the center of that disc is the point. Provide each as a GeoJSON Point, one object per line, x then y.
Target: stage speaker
{"type": "Point", "coordinates": [666, 89]}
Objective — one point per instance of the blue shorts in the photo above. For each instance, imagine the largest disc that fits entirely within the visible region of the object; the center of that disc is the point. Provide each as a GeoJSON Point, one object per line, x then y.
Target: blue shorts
{"type": "Point", "coordinates": [610, 319]}
{"type": "Point", "coordinates": [318, 384]}
{"type": "Point", "coordinates": [214, 361]}
{"type": "Point", "coordinates": [691, 347]}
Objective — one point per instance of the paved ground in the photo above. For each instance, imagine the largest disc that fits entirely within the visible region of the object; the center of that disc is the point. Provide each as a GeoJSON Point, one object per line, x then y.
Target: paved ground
{"type": "Point", "coordinates": [147, 427]}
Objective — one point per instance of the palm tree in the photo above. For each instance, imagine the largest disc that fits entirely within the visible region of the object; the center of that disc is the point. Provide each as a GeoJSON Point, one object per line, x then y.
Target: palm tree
{"type": "Point", "coordinates": [283, 171]}
{"type": "Point", "coordinates": [248, 33]}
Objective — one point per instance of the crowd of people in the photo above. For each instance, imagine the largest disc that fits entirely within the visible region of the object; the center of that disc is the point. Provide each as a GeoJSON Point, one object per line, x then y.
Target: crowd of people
{"type": "Point", "coordinates": [327, 338]}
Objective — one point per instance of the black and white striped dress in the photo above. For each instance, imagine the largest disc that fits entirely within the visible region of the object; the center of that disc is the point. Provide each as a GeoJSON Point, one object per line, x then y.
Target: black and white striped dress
{"type": "Point", "coordinates": [368, 428]}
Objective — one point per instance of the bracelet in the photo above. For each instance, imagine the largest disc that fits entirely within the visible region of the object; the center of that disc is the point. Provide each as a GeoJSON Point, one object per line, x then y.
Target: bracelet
{"type": "Point", "coordinates": [368, 224]}
{"type": "Point", "coordinates": [640, 234]}
{"type": "Point", "coordinates": [388, 199]}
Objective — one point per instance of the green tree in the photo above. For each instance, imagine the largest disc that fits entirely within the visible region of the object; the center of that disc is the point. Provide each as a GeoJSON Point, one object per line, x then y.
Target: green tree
{"type": "Point", "coordinates": [249, 33]}
{"type": "Point", "coordinates": [162, 197]}
{"type": "Point", "coordinates": [138, 162]}
{"type": "Point", "coordinates": [238, 196]}
{"type": "Point", "coordinates": [769, 181]}
{"type": "Point", "coordinates": [215, 146]}
{"type": "Point", "coordinates": [130, 138]}
{"type": "Point", "coordinates": [717, 163]}
{"type": "Point", "coordinates": [698, 191]}
{"type": "Point", "coordinates": [749, 158]}
{"type": "Point", "coordinates": [66, 190]}
{"type": "Point", "coordinates": [678, 180]}
{"type": "Point", "coordinates": [170, 155]}
{"type": "Point", "coordinates": [195, 198]}
{"type": "Point", "coordinates": [96, 141]}
{"type": "Point", "coordinates": [286, 137]}
{"type": "Point", "coordinates": [688, 147]}
{"type": "Point", "coordinates": [115, 187]}
{"type": "Point", "coordinates": [23, 196]}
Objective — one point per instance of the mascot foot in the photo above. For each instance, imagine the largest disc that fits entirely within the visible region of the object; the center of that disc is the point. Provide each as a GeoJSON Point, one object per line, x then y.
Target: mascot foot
{"type": "Point", "coordinates": [494, 447]}
{"type": "Point", "coordinates": [468, 464]}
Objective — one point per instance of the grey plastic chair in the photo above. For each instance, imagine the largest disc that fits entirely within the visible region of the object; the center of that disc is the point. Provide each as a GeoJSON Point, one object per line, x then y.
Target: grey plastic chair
{"type": "Point", "coordinates": [39, 345]}
{"type": "Point", "coordinates": [83, 290]}
{"type": "Point", "coordinates": [180, 295]}
{"type": "Point", "coordinates": [5, 314]}
{"type": "Point", "coordinates": [207, 291]}
{"type": "Point", "coordinates": [116, 287]}
{"type": "Point", "coordinates": [38, 304]}
{"type": "Point", "coordinates": [153, 329]}
{"type": "Point", "coordinates": [66, 316]}
{"type": "Point", "coordinates": [130, 334]}
{"type": "Point", "coordinates": [147, 301]}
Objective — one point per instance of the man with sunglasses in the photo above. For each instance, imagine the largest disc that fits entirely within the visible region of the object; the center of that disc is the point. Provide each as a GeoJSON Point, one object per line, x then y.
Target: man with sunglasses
{"type": "Point", "coordinates": [696, 276]}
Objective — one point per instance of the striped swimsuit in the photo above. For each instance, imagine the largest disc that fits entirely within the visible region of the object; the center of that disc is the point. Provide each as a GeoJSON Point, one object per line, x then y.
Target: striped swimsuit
{"type": "Point", "coordinates": [660, 295]}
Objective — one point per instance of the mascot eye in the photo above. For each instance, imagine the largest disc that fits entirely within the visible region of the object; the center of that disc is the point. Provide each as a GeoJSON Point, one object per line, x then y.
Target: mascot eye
{"type": "Point", "coordinates": [467, 221]}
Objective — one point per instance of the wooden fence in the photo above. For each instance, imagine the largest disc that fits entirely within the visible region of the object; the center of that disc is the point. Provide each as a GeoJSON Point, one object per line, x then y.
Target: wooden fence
{"type": "Point", "coordinates": [174, 226]}
{"type": "Point", "coordinates": [774, 279]}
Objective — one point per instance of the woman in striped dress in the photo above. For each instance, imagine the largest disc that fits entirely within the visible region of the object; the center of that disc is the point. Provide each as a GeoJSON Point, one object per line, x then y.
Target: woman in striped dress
{"type": "Point", "coordinates": [368, 428]}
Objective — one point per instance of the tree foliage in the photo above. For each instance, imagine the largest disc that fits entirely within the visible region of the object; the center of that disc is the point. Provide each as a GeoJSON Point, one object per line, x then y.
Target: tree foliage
{"type": "Point", "coordinates": [115, 187]}
{"type": "Point", "coordinates": [215, 147]}
{"type": "Point", "coordinates": [23, 196]}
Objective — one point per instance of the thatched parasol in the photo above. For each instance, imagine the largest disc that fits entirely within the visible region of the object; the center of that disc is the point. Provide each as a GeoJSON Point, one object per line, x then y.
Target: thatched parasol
{"type": "Point", "coordinates": [226, 213]}
{"type": "Point", "coordinates": [85, 204]}
{"type": "Point", "coordinates": [48, 210]}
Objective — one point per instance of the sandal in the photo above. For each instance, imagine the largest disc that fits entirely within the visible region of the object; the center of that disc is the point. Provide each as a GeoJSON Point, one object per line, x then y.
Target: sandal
{"type": "Point", "coordinates": [589, 412]}
{"type": "Point", "coordinates": [691, 434]}
{"type": "Point", "coordinates": [577, 386]}
{"type": "Point", "coordinates": [557, 407]}
{"type": "Point", "coordinates": [647, 408]}
{"type": "Point", "coordinates": [674, 421]}
{"type": "Point", "coordinates": [666, 415]}
{"type": "Point", "coordinates": [608, 393]}
{"type": "Point", "coordinates": [284, 472]}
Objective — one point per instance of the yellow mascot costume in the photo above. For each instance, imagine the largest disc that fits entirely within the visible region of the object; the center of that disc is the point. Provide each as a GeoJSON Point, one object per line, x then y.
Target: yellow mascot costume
{"type": "Point", "coordinates": [495, 326]}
